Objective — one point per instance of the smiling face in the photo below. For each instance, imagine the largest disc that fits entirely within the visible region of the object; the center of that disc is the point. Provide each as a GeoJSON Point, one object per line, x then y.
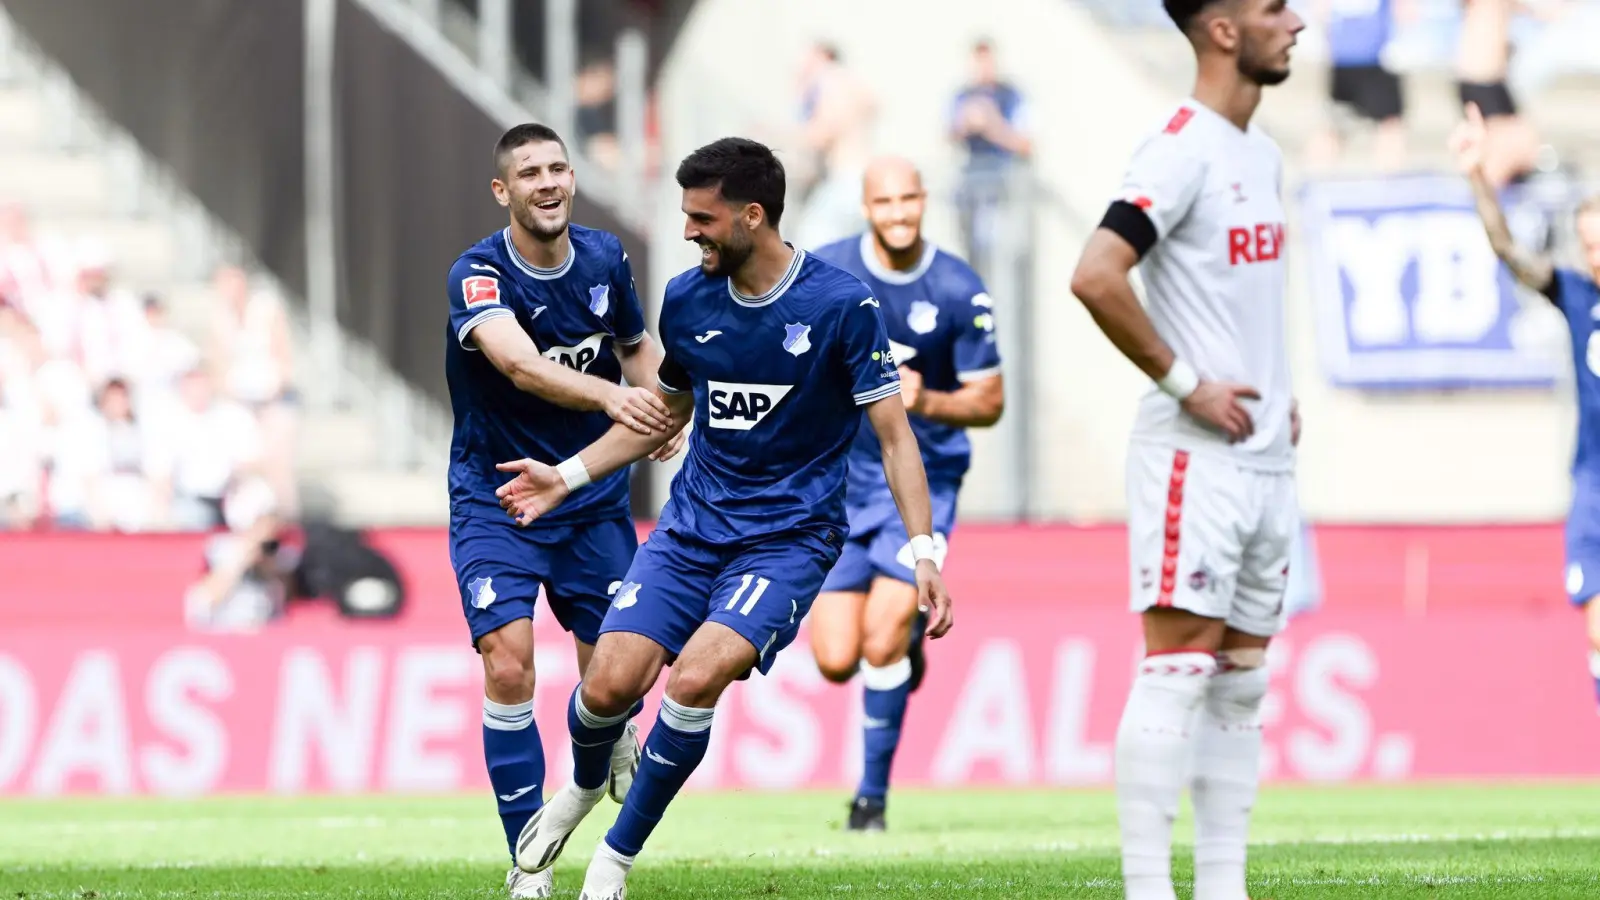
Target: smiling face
{"type": "Point", "coordinates": [537, 184]}
{"type": "Point", "coordinates": [893, 200]}
{"type": "Point", "coordinates": [722, 229]}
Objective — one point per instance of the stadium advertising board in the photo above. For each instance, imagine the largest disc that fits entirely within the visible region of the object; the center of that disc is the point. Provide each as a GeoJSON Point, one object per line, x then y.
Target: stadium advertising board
{"type": "Point", "coordinates": [1408, 293]}
{"type": "Point", "coordinates": [1027, 690]}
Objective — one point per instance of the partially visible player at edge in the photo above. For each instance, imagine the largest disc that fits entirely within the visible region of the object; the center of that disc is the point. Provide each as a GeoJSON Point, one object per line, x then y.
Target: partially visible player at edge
{"type": "Point", "coordinates": [1212, 506]}
{"type": "Point", "coordinates": [544, 320]}
{"type": "Point", "coordinates": [774, 353]}
{"type": "Point", "coordinates": [941, 332]}
{"type": "Point", "coordinates": [1575, 294]}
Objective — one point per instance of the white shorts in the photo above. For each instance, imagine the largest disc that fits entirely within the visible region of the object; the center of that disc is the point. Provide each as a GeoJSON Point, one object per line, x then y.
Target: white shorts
{"type": "Point", "coordinates": [1209, 536]}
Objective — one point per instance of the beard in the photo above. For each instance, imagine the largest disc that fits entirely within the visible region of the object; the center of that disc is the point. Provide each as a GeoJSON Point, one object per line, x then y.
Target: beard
{"type": "Point", "coordinates": [883, 240]}
{"type": "Point", "coordinates": [1258, 72]}
{"type": "Point", "coordinates": [525, 218]}
{"type": "Point", "coordinates": [731, 255]}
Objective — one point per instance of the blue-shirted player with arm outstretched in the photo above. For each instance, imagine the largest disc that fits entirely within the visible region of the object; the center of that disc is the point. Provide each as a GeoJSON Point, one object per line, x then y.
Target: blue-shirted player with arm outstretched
{"type": "Point", "coordinates": [775, 354]}
{"type": "Point", "coordinates": [940, 324]}
{"type": "Point", "coordinates": [1578, 298]}
{"type": "Point", "coordinates": [544, 321]}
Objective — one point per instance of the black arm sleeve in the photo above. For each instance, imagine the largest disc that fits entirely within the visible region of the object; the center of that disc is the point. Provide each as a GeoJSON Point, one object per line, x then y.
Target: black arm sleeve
{"type": "Point", "coordinates": [1131, 224]}
{"type": "Point", "coordinates": [673, 378]}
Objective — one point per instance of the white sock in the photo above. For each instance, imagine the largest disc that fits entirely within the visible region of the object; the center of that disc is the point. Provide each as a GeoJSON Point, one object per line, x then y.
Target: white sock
{"type": "Point", "coordinates": [1227, 771]}
{"type": "Point", "coordinates": [1152, 762]}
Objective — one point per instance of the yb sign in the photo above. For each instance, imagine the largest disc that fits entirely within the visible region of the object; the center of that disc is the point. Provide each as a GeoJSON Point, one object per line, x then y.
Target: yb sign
{"type": "Point", "coordinates": [1408, 293]}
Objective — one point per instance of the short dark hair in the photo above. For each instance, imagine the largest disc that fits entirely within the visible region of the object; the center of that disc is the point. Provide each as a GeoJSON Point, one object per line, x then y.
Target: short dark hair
{"type": "Point", "coordinates": [520, 135]}
{"type": "Point", "coordinates": [746, 171]}
{"type": "Point", "coordinates": [1183, 12]}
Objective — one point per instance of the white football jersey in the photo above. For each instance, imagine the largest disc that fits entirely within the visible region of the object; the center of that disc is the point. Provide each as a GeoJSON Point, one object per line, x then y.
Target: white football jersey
{"type": "Point", "coordinates": [1215, 279]}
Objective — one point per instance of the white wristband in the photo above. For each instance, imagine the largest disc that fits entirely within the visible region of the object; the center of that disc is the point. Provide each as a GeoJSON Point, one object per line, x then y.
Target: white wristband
{"type": "Point", "coordinates": [1180, 380]}
{"type": "Point", "coordinates": [573, 472]}
{"type": "Point", "coordinates": [922, 548]}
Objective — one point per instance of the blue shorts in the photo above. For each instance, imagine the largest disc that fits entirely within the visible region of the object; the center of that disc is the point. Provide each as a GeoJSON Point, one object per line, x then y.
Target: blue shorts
{"type": "Point", "coordinates": [879, 544]}
{"type": "Point", "coordinates": [1583, 563]}
{"type": "Point", "coordinates": [500, 567]}
{"type": "Point", "coordinates": [762, 589]}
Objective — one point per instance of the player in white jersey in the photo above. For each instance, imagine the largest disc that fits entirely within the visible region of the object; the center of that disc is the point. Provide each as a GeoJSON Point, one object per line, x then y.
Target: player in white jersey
{"type": "Point", "coordinates": [1211, 494]}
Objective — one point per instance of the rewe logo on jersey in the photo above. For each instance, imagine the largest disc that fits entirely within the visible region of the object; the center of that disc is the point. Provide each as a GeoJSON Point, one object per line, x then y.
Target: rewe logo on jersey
{"type": "Point", "coordinates": [741, 407]}
{"type": "Point", "coordinates": [1263, 243]}
{"type": "Point", "coordinates": [578, 357]}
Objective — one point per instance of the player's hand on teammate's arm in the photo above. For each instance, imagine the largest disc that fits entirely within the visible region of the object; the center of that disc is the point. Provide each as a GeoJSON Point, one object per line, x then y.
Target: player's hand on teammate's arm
{"type": "Point", "coordinates": [639, 409]}
{"type": "Point", "coordinates": [535, 491]}
{"type": "Point", "coordinates": [934, 599]}
{"type": "Point", "coordinates": [1466, 141]}
{"type": "Point", "coordinates": [671, 447]}
{"type": "Point", "coordinates": [1216, 403]}
{"type": "Point", "coordinates": [911, 388]}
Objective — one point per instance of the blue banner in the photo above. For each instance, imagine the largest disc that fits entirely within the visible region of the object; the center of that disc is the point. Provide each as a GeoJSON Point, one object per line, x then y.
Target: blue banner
{"type": "Point", "coordinates": [1408, 293]}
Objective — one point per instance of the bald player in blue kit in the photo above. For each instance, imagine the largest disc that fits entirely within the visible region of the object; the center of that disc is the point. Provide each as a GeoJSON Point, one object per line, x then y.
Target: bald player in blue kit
{"type": "Point", "coordinates": [775, 354]}
{"type": "Point", "coordinates": [544, 322]}
{"type": "Point", "coordinates": [940, 323]}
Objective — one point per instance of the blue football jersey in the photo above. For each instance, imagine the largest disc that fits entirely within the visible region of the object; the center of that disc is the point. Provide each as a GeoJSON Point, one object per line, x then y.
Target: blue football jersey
{"type": "Point", "coordinates": [575, 314]}
{"type": "Point", "coordinates": [1579, 300]}
{"type": "Point", "coordinates": [778, 383]}
{"type": "Point", "coordinates": [940, 324]}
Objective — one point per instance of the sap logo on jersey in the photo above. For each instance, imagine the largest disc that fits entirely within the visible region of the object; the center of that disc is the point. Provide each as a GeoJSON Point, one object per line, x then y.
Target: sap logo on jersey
{"type": "Point", "coordinates": [741, 407]}
{"type": "Point", "coordinates": [578, 357]}
{"type": "Point", "coordinates": [1261, 243]}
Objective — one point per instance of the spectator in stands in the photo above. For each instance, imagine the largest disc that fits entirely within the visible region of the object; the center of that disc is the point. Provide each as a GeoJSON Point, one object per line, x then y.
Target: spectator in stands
{"type": "Point", "coordinates": [24, 274]}
{"type": "Point", "coordinates": [110, 469]}
{"type": "Point", "coordinates": [105, 323]}
{"type": "Point", "coordinates": [1358, 32]}
{"type": "Point", "coordinates": [989, 120]}
{"type": "Point", "coordinates": [213, 442]}
{"type": "Point", "coordinates": [247, 573]}
{"type": "Point", "coordinates": [253, 362]}
{"type": "Point", "coordinates": [22, 446]}
{"type": "Point", "coordinates": [597, 113]}
{"type": "Point", "coordinates": [1483, 57]}
{"type": "Point", "coordinates": [160, 358]}
{"type": "Point", "coordinates": [837, 112]}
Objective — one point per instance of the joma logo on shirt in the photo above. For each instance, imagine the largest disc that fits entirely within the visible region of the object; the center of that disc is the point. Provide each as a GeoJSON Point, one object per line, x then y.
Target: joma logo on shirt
{"type": "Point", "coordinates": [740, 407]}
{"type": "Point", "coordinates": [578, 357]}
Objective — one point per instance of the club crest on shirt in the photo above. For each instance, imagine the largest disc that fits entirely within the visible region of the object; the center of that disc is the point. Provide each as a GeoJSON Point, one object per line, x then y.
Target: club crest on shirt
{"type": "Point", "coordinates": [600, 299]}
{"type": "Point", "coordinates": [923, 317]}
{"type": "Point", "coordinates": [797, 338]}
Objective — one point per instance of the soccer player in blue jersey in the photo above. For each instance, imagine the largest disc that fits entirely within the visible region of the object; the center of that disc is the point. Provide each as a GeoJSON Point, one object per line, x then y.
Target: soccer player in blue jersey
{"type": "Point", "coordinates": [544, 321]}
{"type": "Point", "coordinates": [775, 354]}
{"type": "Point", "coordinates": [1575, 294]}
{"type": "Point", "coordinates": [940, 324]}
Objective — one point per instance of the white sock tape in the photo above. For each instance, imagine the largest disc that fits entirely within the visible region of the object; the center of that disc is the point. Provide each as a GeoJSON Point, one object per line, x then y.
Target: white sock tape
{"type": "Point", "coordinates": [573, 472]}
{"type": "Point", "coordinates": [1180, 380]}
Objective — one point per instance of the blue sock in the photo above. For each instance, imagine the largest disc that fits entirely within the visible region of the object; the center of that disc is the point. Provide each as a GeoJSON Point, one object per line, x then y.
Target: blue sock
{"type": "Point", "coordinates": [675, 747]}
{"type": "Point", "coordinates": [884, 706]}
{"type": "Point", "coordinates": [592, 739]}
{"type": "Point", "coordinates": [515, 757]}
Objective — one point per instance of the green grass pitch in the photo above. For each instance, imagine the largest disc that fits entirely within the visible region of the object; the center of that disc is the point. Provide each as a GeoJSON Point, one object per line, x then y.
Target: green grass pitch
{"type": "Point", "coordinates": [1446, 841]}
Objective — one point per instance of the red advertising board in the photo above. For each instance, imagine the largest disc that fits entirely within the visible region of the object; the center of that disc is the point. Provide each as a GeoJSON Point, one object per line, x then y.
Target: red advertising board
{"type": "Point", "coordinates": [1478, 671]}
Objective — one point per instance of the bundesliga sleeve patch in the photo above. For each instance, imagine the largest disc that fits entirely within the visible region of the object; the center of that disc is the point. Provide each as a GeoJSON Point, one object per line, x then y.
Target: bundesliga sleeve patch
{"type": "Point", "coordinates": [480, 290]}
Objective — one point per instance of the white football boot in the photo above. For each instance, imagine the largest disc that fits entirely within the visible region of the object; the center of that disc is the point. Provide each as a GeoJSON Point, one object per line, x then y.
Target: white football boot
{"type": "Point", "coordinates": [607, 877]}
{"type": "Point", "coordinates": [545, 836]}
{"type": "Point", "coordinates": [624, 763]}
{"type": "Point", "coordinates": [524, 886]}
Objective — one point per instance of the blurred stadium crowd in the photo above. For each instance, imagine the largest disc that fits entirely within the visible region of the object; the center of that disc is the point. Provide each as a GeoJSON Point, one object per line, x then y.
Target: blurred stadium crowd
{"type": "Point", "coordinates": [116, 420]}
